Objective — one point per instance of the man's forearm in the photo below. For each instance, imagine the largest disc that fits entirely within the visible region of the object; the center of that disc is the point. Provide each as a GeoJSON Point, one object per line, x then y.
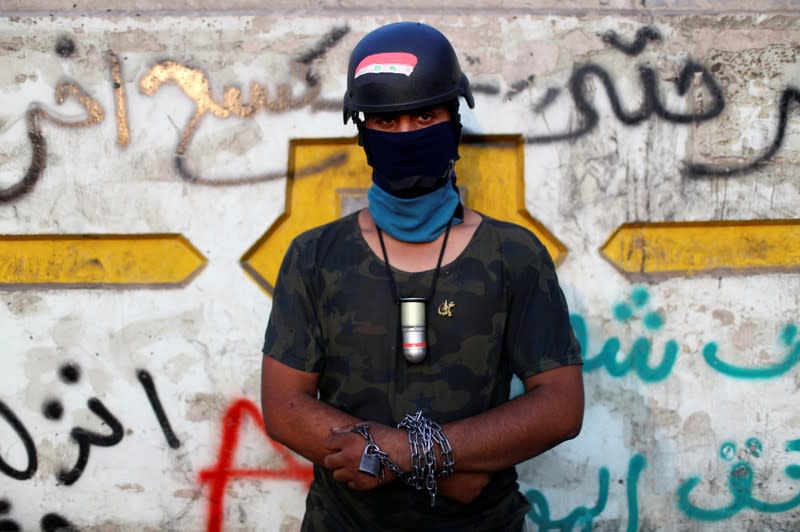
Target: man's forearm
{"type": "Point", "coordinates": [302, 424]}
{"type": "Point", "coordinates": [548, 413]}
{"type": "Point", "coordinates": [293, 415]}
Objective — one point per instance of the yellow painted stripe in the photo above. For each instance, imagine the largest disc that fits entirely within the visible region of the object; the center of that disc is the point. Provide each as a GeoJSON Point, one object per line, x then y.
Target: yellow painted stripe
{"type": "Point", "coordinates": [687, 248]}
{"type": "Point", "coordinates": [328, 176]}
{"type": "Point", "coordinates": [87, 260]}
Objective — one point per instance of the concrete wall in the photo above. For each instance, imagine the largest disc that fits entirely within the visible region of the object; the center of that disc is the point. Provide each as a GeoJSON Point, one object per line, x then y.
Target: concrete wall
{"type": "Point", "coordinates": [141, 198]}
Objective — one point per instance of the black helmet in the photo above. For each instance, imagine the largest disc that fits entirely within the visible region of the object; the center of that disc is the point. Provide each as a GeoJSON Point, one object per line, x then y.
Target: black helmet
{"type": "Point", "coordinates": [402, 66]}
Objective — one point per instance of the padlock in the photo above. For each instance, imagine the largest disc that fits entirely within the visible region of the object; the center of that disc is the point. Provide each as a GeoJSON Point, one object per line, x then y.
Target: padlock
{"type": "Point", "coordinates": [370, 463]}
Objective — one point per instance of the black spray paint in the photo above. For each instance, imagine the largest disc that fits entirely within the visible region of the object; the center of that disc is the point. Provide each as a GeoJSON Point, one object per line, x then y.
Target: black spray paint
{"type": "Point", "coordinates": [38, 158]}
{"type": "Point", "coordinates": [643, 35]}
{"type": "Point", "coordinates": [49, 523]}
{"type": "Point", "coordinates": [651, 104]}
{"type": "Point", "coordinates": [65, 46]}
{"type": "Point", "coordinates": [56, 523]}
{"type": "Point", "coordinates": [27, 442]}
{"type": "Point", "coordinates": [789, 96]}
{"type": "Point", "coordinates": [86, 438]}
{"type": "Point", "coordinates": [7, 525]}
{"type": "Point", "coordinates": [52, 409]}
{"type": "Point", "coordinates": [152, 395]}
{"type": "Point", "coordinates": [70, 373]}
{"type": "Point", "coordinates": [328, 41]}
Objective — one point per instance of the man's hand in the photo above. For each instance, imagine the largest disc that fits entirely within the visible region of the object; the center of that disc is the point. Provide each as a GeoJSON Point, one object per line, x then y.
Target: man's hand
{"type": "Point", "coordinates": [464, 486]}
{"type": "Point", "coordinates": [346, 449]}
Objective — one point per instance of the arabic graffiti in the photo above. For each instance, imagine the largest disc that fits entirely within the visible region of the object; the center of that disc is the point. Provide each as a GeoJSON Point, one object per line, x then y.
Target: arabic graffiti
{"type": "Point", "coordinates": [643, 34]}
{"type": "Point", "coordinates": [788, 339]}
{"type": "Point", "coordinates": [624, 311]}
{"type": "Point", "coordinates": [55, 523]}
{"type": "Point", "coordinates": [120, 99]}
{"type": "Point", "coordinates": [328, 41]}
{"type": "Point", "coordinates": [583, 517]}
{"type": "Point", "coordinates": [27, 442]}
{"type": "Point", "coordinates": [7, 524]}
{"type": "Point", "coordinates": [635, 308]}
{"type": "Point", "coordinates": [635, 467]}
{"type": "Point", "coordinates": [638, 358]}
{"type": "Point", "coordinates": [652, 104]}
{"type": "Point", "coordinates": [50, 522]}
{"type": "Point", "coordinates": [86, 438]}
{"type": "Point", "coordinates": [790, 95]}
{"type": "Point", "coordinates": [53, 409]}
{"type": "Point", "coordinates": [740, 484]}
{"type": "Point", "coordinates": [195, 85]}
{"type": "Point", "coordinates": [218, 475]}
{"type": "Point", "coordinates": [149, 386]}
{"type": "Point", "coordinates": [65, 46]}
{"type": "Point", "coordinates": [34, 116]}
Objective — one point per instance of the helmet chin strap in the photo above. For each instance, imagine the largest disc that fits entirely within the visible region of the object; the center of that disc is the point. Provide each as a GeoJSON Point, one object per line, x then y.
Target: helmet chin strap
{"type": "Point", "coordinates": [361, 126]}
{"type": "Point", "coordinates": [456, 117]}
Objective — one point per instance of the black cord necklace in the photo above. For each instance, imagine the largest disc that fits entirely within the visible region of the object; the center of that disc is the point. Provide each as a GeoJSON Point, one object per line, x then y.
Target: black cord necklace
{"type": "Point", "coordinates": [412, 309]}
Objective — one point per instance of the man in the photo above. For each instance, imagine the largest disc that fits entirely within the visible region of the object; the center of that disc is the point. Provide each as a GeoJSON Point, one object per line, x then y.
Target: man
{"type": "Point", "coordinates": [417, 311]}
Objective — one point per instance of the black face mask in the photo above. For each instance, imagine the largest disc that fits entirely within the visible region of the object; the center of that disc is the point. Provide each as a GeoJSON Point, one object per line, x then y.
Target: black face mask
{"type": "Point", "coordinates": [412, 163]}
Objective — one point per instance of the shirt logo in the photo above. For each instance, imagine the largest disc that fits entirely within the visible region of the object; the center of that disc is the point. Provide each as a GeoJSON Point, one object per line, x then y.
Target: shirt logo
{"type": "Point", "coordinates": [446, 309]}
{"type": "Point", "coordinates": [387, 63]}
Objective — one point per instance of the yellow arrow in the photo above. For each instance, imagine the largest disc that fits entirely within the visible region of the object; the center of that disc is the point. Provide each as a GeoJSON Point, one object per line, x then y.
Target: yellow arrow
{"type": "Point", "coordinates": [92, 260]}
{"type": "Point", "coordinates": [687, 248]}
{"type": "Point", "coordinates": [330, 177]}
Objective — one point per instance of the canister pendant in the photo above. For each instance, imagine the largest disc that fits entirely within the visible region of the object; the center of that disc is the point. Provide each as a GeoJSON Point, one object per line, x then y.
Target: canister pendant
{"type": "Point", "coordinates": [412, 328]}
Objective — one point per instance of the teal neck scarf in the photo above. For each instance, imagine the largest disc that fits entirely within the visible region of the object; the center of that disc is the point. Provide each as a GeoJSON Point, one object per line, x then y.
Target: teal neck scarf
{"type": "Point", "coordinates": [420, 219]}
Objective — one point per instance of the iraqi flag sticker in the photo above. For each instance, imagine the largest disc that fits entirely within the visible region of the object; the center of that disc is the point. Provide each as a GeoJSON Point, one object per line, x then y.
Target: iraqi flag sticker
{"type": "Point", "coordinates": [387, 63]}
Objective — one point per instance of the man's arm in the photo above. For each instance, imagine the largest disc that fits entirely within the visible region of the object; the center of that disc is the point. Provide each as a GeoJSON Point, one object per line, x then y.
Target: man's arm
{"type": "Point", "coordinates": [294, 417]}
{"type": "Point", "coordinates": [548, 413]}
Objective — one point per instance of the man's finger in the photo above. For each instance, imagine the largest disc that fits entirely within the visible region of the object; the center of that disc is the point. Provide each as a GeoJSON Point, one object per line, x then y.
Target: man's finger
{"type": "Point", "coordinates": [333, 461]}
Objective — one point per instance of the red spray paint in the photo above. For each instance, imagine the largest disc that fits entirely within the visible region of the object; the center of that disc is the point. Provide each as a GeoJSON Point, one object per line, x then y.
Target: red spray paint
{"type": "Point", "coordinates": [218, 475]}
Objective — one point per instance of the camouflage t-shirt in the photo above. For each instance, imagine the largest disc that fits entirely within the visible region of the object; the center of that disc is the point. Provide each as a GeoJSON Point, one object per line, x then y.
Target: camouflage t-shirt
{"type": "Point", "coordinates": [497, 310]}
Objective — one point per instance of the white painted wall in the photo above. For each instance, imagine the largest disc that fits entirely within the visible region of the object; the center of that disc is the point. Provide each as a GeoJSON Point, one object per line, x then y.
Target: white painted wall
{"type": "Point", "coordinates": [201, 342]}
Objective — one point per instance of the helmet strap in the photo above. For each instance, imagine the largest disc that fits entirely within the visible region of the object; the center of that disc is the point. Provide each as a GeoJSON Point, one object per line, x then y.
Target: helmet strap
{"type": "Point", "coordinates": [361, 126]}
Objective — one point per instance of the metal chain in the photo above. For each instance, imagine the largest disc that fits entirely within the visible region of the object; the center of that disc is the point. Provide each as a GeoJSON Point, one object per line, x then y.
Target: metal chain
{"type": "Point", "coordinates": [423, 433]}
